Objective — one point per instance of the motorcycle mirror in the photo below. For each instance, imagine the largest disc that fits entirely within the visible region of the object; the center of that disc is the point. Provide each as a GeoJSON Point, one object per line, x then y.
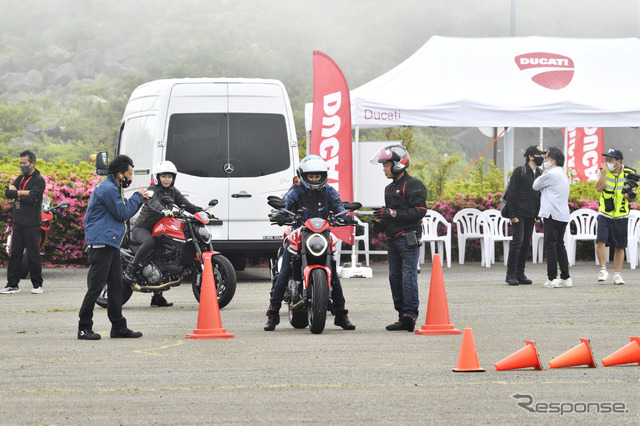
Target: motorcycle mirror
{"type": "Point", "coordinates": [352, 205]}
{"type": "Point", "coordinates": [273, 197]}
{"type": "Point", "coordinates": [276, 203]}
{"type": "Point", "coordinates": [213, 203]}
{"type": "Point", "coordinates": [64, 205]}
{"type": "Point", "coordinates": [102, 163]}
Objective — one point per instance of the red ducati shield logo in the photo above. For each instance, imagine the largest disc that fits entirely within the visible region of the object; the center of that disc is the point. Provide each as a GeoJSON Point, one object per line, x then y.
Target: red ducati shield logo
{"type": "Point", "coordinates": [556, 71]}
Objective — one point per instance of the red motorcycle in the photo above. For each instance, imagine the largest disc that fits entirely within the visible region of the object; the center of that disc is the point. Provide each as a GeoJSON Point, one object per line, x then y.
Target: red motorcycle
{"type": "Point", "coordinates": [45, 226]}
{"type": "Point", "coordinates": [181, 241]}
{"type": "Point", "coordinates": [314, 244]}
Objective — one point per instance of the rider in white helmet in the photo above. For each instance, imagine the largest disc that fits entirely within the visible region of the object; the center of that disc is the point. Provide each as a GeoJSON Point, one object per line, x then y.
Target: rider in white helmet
{"type": "Point", "coordinates": [165, 173]}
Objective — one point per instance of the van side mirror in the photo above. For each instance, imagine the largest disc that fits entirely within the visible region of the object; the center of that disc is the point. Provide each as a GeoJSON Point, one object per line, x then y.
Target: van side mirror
{"type": "Point", "coordinates": [102, 163]}
{"type": "Point", "coordinates": [213, 203]}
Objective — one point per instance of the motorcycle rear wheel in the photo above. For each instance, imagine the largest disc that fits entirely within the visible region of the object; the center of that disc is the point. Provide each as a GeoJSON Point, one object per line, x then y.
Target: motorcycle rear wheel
{"type": "Point", "coordinates": [317, 312]}
{"type": "Point", "coordinates": [224, 276]}
{"type": "Point", "coordinates": [103, 299]}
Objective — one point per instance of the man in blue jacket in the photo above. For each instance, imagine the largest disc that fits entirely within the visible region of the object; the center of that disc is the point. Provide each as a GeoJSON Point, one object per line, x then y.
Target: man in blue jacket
{"type": "Point", "coordinates": [105, 227]}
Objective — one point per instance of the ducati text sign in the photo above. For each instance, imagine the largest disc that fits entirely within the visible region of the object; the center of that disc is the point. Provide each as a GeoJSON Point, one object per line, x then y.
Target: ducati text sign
{"type": "Point", "coordinates": [553, 71]}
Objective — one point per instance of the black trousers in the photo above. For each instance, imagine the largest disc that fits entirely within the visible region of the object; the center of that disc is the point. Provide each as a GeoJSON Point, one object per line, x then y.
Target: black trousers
{"type": "Point", "coordinates": [29, 237]}
{"type": "Point", "coordinates": [554, 247]}
{"type": "Point", "coordinates": [105, 268]}
{"type": "Point", "coordinates": [519, 248]}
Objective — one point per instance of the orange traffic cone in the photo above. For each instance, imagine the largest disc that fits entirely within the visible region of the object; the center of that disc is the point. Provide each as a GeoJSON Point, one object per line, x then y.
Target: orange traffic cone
{"type": "Point", "coordinates": [524, 358]}
{"type": "Point", "coordinates": [209, 323]}
{"type": "Point", "coordinates": [625, 355]}
{"type": "Point", "coordinates": [437, 309]}
{"type": "Point", "coordinates": [578, 355]}
{"type": "Point", "coordinates": [468, 359]}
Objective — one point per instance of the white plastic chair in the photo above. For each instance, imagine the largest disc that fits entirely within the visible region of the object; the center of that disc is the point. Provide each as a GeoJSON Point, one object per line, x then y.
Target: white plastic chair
{"type": "Point", "coordinates": [466, 221]}
{"type": "Point", "coordinates": [364, 238]}
{"type": "Point", "coordinates": [585, 222]}
{"type": "Point", "coordinates": [633, 238]}
{"type": "Point", "coordinates": [430, 223]}
{"type": "Point", "coordinates": [537, 246]}
{"type": "Point", "coordinates": [495, 228]}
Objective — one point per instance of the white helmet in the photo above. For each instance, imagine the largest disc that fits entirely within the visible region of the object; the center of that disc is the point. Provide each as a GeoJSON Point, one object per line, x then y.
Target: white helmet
{"type": "Point", "coordinates": [316, 165]}
{"type": "Point", "coordinates": [163, 168]}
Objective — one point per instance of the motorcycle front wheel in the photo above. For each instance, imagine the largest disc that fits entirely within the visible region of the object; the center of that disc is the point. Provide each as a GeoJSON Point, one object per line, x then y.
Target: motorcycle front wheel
{"type": "Point", "coordinates": [317, 312]}
{"type": "Point", "coordinates": [103, 299]}
{"type": "Point", "coordinates": [224, 277]}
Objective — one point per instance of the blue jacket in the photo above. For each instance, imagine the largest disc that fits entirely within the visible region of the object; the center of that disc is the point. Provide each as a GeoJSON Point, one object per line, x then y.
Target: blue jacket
{"type": "Point", "coordinates": [313, 203]}
{"type": "Point", "coordinates": [106, 219]}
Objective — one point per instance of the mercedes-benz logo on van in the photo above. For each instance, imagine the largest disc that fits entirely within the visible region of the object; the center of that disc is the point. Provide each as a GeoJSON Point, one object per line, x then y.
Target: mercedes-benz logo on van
{"type": "Point", "coordinates": [228, 168]}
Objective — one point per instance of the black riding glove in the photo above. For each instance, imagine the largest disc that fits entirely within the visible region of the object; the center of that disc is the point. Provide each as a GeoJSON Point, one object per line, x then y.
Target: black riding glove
{"type": "Point", "coordinates": [384, 213]}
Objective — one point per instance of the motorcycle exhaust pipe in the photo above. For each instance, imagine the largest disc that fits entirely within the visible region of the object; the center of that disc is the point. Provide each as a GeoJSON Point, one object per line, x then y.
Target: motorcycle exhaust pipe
{"type": "Point", "coordinates": [298, 305]}
{"type": "Point", "coordinates": [150, 288]}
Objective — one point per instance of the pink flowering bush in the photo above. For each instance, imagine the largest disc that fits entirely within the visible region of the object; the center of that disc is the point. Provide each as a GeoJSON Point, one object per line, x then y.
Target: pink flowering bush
{"type": "Point", "coordinates": [448, 208]}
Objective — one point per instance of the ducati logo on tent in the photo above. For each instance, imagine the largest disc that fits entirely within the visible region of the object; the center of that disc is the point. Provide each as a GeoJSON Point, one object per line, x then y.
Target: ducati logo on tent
{"type": "Point", "coordinates": [551, 70]}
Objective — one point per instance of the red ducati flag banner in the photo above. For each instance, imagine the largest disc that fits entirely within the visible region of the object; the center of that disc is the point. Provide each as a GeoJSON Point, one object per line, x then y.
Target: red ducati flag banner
{"type": "Point", "coordinates": [331, 129]}
{"type": "Point", "coordinates": [585, 146]}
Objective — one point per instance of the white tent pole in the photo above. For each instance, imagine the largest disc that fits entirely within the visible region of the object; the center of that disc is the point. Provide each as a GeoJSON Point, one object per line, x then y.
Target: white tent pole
{"type": "Point", "coordinates": [354, 161]}
{"type": "Point", "coordinates": [566, 145]}
{"type": "Point", "coordinates": [541, 138]}
{"type": "Point", "coordinates": [308, 141]}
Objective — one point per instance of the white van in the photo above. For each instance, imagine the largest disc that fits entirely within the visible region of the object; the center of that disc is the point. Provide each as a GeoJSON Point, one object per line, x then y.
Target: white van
{"type": "Point", "coordinates": [231, 139]}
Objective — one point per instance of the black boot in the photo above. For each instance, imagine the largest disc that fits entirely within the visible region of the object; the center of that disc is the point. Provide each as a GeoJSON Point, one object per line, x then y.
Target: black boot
{"type": "Point", "coordinates": [273, 319]}
{"type": "Point", "coordinates": [129, 272]}
{"type": "Point", "coordinates": [406, 322]}
{"type": "Point", "coordinates": [511, 279]}
{"type": "Point", "coordinates": [342, 320]}
{"type": "Point", "coordinates": [522, 279]}
{"type": "Point", "coordinates": [159, 301]}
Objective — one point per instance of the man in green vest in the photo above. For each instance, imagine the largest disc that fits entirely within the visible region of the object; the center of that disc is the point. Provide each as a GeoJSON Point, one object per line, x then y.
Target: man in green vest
{"type": "Point", "coordinates": [613, 213]}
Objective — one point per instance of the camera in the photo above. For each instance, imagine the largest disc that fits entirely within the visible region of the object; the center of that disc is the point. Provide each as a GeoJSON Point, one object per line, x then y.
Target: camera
{"type": "Point", "coordinates": [630, 183]}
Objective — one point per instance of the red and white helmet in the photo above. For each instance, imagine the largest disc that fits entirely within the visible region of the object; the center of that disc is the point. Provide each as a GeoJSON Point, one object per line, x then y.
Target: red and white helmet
{"type": "Point", "coordinates": [397, 154]}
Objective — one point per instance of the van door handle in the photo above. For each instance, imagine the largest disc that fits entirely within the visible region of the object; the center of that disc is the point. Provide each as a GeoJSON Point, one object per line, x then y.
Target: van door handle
{"type": "Point", "coordinates": [242, 194]}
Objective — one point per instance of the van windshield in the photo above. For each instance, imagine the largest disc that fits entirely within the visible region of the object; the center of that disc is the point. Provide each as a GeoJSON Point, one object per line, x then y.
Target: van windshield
{"type": "Point", "coordinates": [228, 145]}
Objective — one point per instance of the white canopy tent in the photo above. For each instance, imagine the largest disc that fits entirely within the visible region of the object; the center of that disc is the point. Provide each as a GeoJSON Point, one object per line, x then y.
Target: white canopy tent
{"type": "Point", "coordinates": [505, 82]}
{"type": "Point", "coordinates": [478, 82]}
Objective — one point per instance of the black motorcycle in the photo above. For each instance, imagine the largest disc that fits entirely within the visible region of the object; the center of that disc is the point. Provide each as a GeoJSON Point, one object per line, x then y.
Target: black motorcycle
{"type": "Point", "coordinates": [181, 240]}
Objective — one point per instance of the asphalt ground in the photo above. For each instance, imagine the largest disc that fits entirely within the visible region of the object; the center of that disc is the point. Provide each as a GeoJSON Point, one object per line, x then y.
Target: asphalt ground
{"type": "Point", "coordinates": [366, 376]}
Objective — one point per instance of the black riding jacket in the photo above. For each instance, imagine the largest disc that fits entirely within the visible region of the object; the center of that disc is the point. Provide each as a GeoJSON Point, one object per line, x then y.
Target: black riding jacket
{"type": "Point", "coordinates": [407, 196]}
{"type": "Point", "coordinates": [27, 208]}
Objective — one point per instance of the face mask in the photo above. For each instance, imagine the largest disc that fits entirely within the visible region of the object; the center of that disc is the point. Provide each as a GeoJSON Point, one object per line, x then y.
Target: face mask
{"type": "Point", "coordinates": [25, 169]}
{"type": "Point", "coordinates": [125, 182]}
{"type": "Point", "coordinates": [611, 167]}
{"type": "Point", "coordinates": [547, 165]}
{"type": "Point", "coordinates": [538, 161]}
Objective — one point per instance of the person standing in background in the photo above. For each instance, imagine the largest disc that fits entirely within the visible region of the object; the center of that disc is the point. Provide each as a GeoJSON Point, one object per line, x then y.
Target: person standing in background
{"type": "Point", "coordinates": [553, 185]}
{"type": "Point", "coordinates": [524, 205]}
{"type": "Point", "coordinates": [26, 192]}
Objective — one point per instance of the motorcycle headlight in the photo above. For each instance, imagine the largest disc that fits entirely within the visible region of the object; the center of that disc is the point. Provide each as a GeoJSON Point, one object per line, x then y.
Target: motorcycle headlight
{"type": "Point", "coordinates": [317, 244]}
{"type": "Point", "coordinates": [205, 234]}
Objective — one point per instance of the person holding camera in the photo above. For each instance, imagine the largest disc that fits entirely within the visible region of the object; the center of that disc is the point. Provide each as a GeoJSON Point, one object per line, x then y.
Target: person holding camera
{"type": "Point", "coordinates": [616, 190]}
{"type": "Point", "coordinates": [401, 219]}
